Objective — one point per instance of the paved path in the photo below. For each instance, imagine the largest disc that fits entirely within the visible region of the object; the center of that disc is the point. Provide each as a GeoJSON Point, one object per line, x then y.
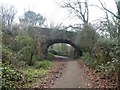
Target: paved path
{"type": "Point", "coordinates": [72, 77]}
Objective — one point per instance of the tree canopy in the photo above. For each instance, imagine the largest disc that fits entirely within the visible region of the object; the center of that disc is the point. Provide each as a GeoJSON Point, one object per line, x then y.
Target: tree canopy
{"type": "Point", "coordinates": [32, 19]}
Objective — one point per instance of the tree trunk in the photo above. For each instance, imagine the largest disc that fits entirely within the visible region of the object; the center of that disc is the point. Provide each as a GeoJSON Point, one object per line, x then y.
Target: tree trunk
{"type": "Point", "coordinates": [118, 80]}
{"type": "Point", "coordinates": [30, 61]}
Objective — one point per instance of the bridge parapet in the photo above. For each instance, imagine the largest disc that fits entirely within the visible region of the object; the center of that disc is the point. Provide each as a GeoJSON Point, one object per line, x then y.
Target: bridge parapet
{"type": "Point", "coordinates": [49, 34]}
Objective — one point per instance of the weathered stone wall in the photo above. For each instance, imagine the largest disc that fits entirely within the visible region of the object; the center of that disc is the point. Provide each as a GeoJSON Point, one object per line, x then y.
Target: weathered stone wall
{"type": "Point", "coordinates": [46, 37]}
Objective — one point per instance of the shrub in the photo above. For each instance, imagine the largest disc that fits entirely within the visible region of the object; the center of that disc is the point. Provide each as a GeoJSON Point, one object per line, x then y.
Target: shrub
{"type": "Point", "coordinates": [44, 64]}
{"type": "Point", "coordinates": [50, 56]}
{"type": "Point", "coordinates": [10, 77]}
{"type": "Point", "coordinates": [53, 52]}
{"type": "Point", "coordinates": [27, 49]}
{"type": "Point", "coordinates": [87, 58]}
{"type": "Point", "coordinates": [7, 54]}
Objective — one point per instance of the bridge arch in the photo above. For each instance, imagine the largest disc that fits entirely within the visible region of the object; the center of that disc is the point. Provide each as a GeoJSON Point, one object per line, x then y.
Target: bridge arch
{"type": "Point", "coordinates": [48, 43]}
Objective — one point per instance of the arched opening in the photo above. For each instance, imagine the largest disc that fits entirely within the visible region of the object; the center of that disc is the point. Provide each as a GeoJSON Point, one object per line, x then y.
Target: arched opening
{"type": "Point", "coordinates": [77, 52]}
{"type": "Point", "coordinates": [62, 49]}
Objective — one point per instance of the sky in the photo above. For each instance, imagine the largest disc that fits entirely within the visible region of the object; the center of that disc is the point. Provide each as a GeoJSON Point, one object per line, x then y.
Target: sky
{"type": "Point", "coordinates": [52, 11]}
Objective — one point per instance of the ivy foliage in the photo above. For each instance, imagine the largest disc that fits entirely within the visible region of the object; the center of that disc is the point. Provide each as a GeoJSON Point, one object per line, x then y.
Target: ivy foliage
{"type": "Point", "coordinates": [105, 57]}
{"type": "Point", "coordinates": [10, 77]}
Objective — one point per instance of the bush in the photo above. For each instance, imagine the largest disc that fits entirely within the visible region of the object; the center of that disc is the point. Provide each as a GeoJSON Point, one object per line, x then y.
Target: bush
{"type": "Point", "coordinates": [50, 56]}
{"type": "Point", "coordinates": [10, 77]}
{"type": "Point", "coordinates": [27, 49]}
{"type": "Point", "coordinates": [87, 58]}
{"type": "Point", "coordinates": [44, 64]}
{"type": "Point", "coordinates": [7, 54]}
{"type": "Point", "coordinates": [30, 73]}
{"type": "Point", "coordinates": [53, 52]}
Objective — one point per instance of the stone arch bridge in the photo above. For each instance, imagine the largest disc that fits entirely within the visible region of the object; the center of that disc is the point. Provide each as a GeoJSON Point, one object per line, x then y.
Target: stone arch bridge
{"type": "Point", "coordinates": [46, 37]}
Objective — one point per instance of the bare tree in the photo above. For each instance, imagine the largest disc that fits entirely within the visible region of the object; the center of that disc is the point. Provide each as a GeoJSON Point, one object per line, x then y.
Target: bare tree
{"type": "Point", "coordinates": [78, 9]}
{"type": "Point", "coordinates": [8, 15]}
{"type": "Point", "coordinates": [117, 16]}
{"type": "Point", "coordinates": [103, 7]}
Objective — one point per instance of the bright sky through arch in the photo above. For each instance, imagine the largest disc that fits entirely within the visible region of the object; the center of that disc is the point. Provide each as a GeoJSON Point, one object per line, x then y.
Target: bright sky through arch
{"type": "Point", "coordinates": [51, 10]}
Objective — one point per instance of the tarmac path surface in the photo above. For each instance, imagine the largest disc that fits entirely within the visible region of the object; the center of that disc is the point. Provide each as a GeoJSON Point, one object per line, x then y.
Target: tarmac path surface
{"type": "Point", "coordinates": [72, 77]}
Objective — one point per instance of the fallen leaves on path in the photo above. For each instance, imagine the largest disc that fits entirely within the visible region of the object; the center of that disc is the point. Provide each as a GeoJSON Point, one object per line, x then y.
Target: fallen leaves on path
{"type": "Point", "coordinates": [54, 73]}
{"type": "Point", "coordinates": [98, 80]}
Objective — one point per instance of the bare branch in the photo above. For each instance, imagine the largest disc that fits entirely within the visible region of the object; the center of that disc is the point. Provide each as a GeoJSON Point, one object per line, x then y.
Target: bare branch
{"type": "Point", "coordinates": [109, 10]}
{"type": "Point", "coordinates": [76, 8]}
{"type": "Point", "coordinates": [8, 14]}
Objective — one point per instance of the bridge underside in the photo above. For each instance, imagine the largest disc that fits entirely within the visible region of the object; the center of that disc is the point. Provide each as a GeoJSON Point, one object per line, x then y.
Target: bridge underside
{"type": "Point", "coordinates": [48, 43]}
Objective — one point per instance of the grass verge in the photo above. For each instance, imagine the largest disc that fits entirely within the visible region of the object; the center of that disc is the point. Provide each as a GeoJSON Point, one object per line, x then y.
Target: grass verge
{"type": "Point", "coordinates": [34, 74]}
